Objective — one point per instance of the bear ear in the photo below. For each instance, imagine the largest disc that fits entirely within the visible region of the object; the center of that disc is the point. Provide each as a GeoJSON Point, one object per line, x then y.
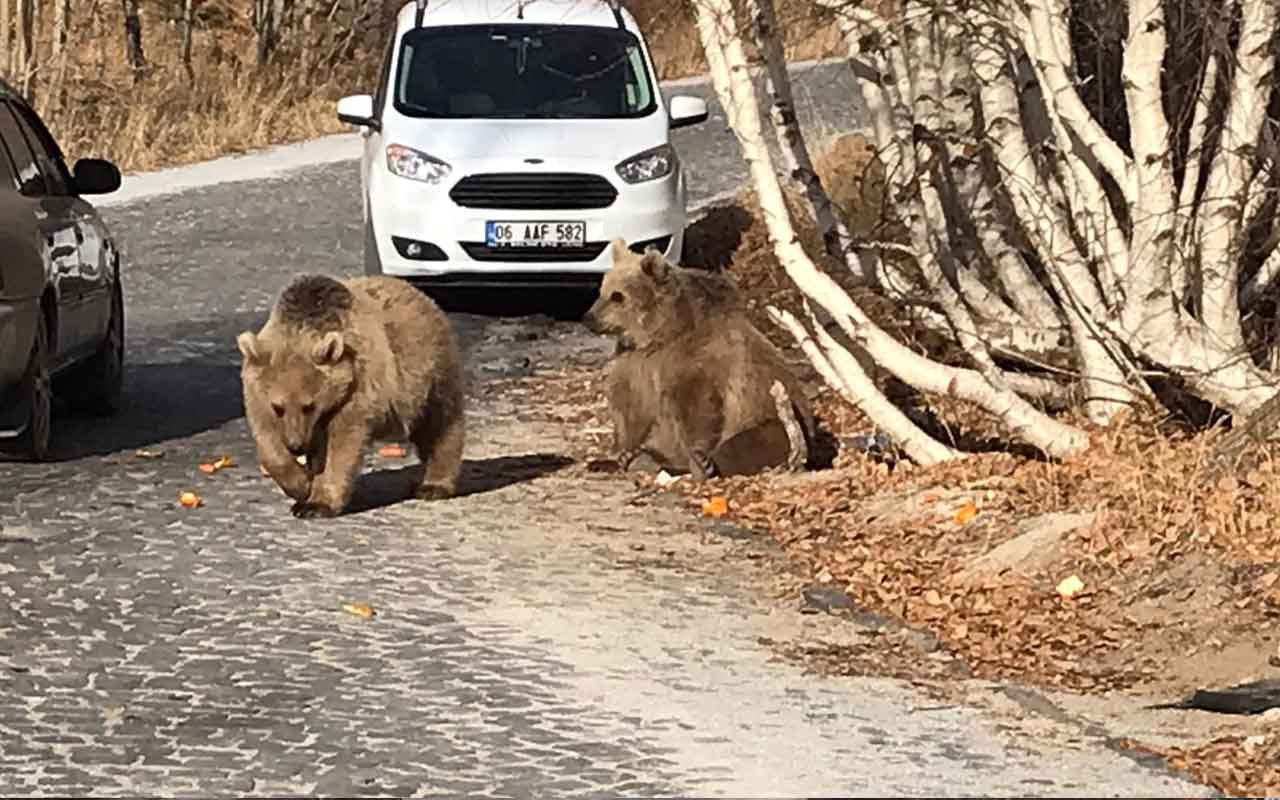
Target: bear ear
{"type": "Point", "coordinates": [655, 265]}
{"type": "Point", "coordinates": [250, 347]}
{"type": "Point", "coordinates": [618, 249]}
{"type": "Point", "coordinates": [329, 349]}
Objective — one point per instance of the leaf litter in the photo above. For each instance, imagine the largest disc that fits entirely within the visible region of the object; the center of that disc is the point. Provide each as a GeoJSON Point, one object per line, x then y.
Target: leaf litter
{"type": "Point", "coordinates": [1175, 585]}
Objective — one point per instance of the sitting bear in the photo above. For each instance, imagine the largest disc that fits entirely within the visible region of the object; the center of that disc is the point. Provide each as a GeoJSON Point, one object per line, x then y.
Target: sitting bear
{"type": "Point", "coordinates": [694, 385]}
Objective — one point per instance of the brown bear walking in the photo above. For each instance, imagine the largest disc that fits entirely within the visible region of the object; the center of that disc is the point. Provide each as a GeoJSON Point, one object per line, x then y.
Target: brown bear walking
{"type": "Point", "coordinates": [339, 363]}
{"type": "Point", "coordinates": [694, 385]}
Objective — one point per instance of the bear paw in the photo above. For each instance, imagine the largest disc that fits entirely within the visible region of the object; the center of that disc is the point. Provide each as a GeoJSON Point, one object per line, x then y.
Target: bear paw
{"type": "Point", "coordinates": [304, 510]}
{"type": "Point", "coordinates": [433, 492]}
{"type": "Point", "coordinates": [701, 467]}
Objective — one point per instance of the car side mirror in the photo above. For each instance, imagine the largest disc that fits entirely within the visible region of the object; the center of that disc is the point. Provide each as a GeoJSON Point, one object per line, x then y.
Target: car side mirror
{"type": "Point", "coordinates": [357, 109]}
{"type": "Point", "coordinates": [686, 110]}
{"type": "Point", "coordinates": [95, 176]}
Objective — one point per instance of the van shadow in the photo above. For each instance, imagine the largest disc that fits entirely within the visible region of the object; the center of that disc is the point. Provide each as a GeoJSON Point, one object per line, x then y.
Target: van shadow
{"type": "Point", "coordinates": [377, 490]}
{"type": "Point", "coordinates": [161, 402]}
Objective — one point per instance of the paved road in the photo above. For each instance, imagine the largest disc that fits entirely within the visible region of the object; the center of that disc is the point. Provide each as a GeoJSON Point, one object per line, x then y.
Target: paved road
{"type": "Point", "coordinates": [535, 636]}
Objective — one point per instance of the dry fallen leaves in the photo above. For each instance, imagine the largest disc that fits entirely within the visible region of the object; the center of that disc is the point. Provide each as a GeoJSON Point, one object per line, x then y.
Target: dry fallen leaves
{"type": "Point", "coordinates": [148, 454]}
{"type": "Point", "coordinates": [359, 609]}
{"type": "Point", "coordinates": [392, 451]}
{"type": "Point", "coordinates": [716, 506]}
{"type": "Point", "coordinates": [189, 500]}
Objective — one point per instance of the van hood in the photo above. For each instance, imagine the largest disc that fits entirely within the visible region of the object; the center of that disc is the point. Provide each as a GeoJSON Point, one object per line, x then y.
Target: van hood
{"type": "Point", "coordinates": [461, 140]}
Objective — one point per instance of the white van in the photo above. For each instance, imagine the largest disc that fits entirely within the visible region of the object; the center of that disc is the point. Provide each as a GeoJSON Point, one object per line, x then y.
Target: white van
{"type": "Point", "coordinates": [509, 140]}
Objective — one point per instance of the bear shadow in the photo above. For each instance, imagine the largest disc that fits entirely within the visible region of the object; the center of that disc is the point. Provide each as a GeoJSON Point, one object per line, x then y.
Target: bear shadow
{"type": "Point", "coordinates": [387, 487]}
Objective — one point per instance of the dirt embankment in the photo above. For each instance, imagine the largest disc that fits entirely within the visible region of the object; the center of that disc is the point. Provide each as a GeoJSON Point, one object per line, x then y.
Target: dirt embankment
{"type": "Point", "coordinates": [1121, 570]}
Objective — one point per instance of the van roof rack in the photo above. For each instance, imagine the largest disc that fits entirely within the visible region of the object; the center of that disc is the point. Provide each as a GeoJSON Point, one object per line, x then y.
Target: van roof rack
{"type": "Point", "coordinates": [616, 7]}
{"type": "Point", "coordinates": [417, 17]}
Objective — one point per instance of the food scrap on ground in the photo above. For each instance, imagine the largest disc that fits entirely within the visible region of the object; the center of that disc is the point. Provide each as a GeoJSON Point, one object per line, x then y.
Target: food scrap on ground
{"type": "Point", "coordinates": [190, 500]}
{"type": "Point", "coordinates": [359, 609]}
{"type": "Point", "coordinates": [1070, 586]}
{"type": "Point", "coordinates": [221, 463]}
{"type": "Point", "coordinates": [715, 506]}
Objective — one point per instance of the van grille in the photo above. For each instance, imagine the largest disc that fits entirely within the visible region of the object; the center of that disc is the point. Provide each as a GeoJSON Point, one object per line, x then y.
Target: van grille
{"type": "Point", "coordinates": [478, 251]}
{"type": "Point", "coordinates": [533, 191]}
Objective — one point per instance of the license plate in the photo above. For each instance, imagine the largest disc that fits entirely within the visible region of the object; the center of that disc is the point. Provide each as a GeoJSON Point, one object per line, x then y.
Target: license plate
{"type": "Point", "coordinates": [535, 234]}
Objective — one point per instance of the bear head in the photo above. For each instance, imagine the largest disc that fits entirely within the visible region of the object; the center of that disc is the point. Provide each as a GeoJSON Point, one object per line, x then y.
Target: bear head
{"type": "Point", "coordinates": [302, 380]}
{"type": "Point", "coordinates": [639, 299]}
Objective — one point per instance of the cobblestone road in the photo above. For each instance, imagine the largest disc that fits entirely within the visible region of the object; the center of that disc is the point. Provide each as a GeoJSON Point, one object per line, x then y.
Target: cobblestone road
{"type": "Point", "coordinates": [522, 644]}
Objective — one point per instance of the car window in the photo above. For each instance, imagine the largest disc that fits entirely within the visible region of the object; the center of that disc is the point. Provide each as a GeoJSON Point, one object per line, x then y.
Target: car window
{"type": "Point", "coordinates": [523, 72]}
{"type": "Point", "coordinates": [30, 178]}
{"type": "Point", "coordinates": [48, 154]}
{"type": "Point", "coordinates": [8, 175]}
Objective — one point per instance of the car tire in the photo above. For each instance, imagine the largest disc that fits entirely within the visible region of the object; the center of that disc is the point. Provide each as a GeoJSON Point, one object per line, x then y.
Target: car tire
{"type": "Point", "coordinates": [96, 387]}
{"type": "Point", "coordinates": [372, 262]}
{"type": "Point", "coordinates": [36, 392]}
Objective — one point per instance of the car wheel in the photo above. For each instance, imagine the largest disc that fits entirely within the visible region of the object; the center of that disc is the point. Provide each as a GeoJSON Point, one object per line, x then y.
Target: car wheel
{"type": "Point", "coordinates": [96, 386]}
{"type": "Point", "coordinates": [37, 393]}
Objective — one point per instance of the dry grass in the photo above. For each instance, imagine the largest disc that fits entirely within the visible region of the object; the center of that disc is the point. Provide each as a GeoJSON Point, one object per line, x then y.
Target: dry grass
{"type": "Point", "coordinates": [231, 107]}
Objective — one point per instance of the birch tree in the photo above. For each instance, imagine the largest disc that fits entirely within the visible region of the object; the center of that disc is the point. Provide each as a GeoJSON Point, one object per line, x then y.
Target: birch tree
{"type": "Point", "coordinates": [53, 98]}
{"type": "Point", "coordinates": [188, 22]}
{"type": "Point", "coordinates": [1055, 245]}
{"type": "Point", "coordinates": [133, 39]}
{"type": "Point", "coordinates": [24, 46]}
{"type": "Point", "coordinates": [6, 35]}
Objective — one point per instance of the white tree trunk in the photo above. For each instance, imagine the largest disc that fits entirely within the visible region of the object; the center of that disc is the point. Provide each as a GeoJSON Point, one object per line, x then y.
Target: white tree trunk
{"type": "Point", "coordinates": [731, 78]}
{"type": "Point", "coordinates": [839, 368]}
{"type": "Point", "coordinates": [1221, 216]}
{"type": "Point", "coordinates": [1034, 236]}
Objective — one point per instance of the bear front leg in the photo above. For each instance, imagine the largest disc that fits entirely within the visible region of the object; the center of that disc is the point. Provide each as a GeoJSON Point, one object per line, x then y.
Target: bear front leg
{"type": "Point", "coordinates": [628, 439]}
{"type": "Point", "coordinates": [283, 468]}
{"type": "Point", "coordinates": [631, 426]}
{"type": "Point", "coordinates": [332, 487]}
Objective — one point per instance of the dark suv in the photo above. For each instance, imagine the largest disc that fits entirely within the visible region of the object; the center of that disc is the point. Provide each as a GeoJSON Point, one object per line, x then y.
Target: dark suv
{"type": "Point", "coordinates": [61, 305]}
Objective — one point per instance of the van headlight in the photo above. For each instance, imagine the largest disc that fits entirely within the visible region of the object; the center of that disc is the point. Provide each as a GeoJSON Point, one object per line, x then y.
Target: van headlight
{"type": "Point", "coordinates": [409, 163]}
{"type": "Point", "coordinates": [657, 162]}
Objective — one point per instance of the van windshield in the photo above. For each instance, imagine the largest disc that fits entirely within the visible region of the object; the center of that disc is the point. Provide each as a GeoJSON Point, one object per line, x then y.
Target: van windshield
{"type": "Point", "coordinates": [522, 72]}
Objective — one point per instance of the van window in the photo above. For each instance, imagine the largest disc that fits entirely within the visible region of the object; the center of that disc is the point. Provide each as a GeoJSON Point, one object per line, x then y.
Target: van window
{"type": "Point", "coordinates": [522, 72]}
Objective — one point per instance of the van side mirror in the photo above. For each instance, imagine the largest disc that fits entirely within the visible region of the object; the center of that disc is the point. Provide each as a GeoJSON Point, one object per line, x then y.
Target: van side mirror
{"type": "Point", "coordinates": [686, 110]}
{"type": "Point", "coordinates": [357, 109]}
